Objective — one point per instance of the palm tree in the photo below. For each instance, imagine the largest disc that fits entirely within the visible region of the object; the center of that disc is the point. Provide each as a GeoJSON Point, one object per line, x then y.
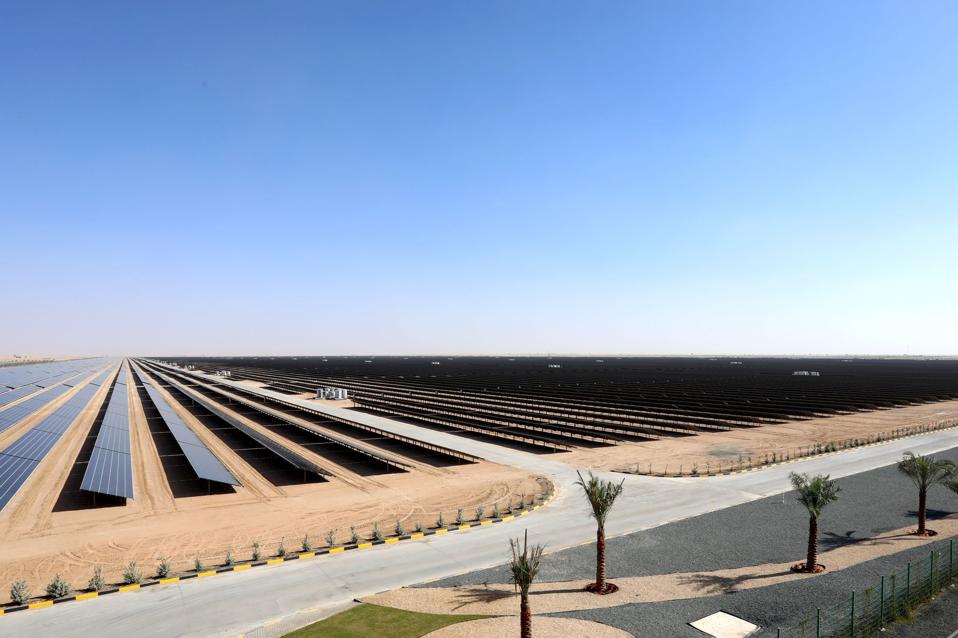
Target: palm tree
{"type": "Point", "coordinates": [524, 566]}
{"type": "Point", "coordinates": [814, 493]}
{"type": "Point", "coordinates": [925, 471]}
{"type": "Point", "coordinates": [601, 495]}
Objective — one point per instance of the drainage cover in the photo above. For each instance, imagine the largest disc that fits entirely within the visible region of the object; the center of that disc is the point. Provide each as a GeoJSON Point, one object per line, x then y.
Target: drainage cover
{"type": "Point", "coordinates": [723, 625]}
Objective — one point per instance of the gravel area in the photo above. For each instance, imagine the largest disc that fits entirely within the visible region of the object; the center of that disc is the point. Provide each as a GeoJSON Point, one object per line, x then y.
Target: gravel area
{"type": "Point", "coordinates": [870, 503]}
{"type": "Point", "coordinates": [937, 620]}
{"type": "Point", "coordinates": [748, 534]}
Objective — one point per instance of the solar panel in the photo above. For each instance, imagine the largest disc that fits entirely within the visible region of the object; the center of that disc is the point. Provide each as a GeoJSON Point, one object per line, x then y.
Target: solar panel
{"type": "Point", "coordinates": [20, 459]}
{"type": "Point", "coordinates": [110, 469]}
{"type": "Point", "coordinates": [204, 462]}
{"type": "Point", "coordinates": [12, 416]}
{"type": "Point", "coordinates": [42, 373]}
{"type": "Point", "coordinates": [11, 396]}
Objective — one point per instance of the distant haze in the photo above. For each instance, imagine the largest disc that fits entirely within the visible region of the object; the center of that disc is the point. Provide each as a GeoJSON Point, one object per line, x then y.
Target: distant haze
{"type": "Point", "coordinates": [429, 177]}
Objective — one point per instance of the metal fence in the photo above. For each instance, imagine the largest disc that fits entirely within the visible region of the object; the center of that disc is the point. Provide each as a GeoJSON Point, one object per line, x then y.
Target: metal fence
{"type": "Point", "coordinates": [864, 614]}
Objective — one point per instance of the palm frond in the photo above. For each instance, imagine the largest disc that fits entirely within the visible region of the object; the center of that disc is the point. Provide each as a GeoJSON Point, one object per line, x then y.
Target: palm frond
{"type": "Point", "coordinates": [925, 471]}
{"type": "Point", "coordinates": [601, 495]}
{"type": "Point", "coordinates": [525, 563]}
{"type": "Point", "coordinates": [815, 492]}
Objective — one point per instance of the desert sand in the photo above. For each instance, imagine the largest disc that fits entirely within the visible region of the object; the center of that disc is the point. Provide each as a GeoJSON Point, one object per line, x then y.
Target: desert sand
{"type": "Point", "coordinates": [715, 449]}
{"type": "Point", "coordinates": [36, 543]}
{"type": "Point", "coordinates": [544, 627]}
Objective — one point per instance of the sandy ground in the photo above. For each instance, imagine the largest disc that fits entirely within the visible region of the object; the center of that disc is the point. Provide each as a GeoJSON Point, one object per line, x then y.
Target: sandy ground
{"type": "Point", "coordinates": [715, 449]}
{"type": "Point", "coordinates": [542, 627]}
{"type": "Point", "coordinates": [499, 598]}
{"type": "Point", "coordinates": [36, 543]}
{"type": "Point", "coordinates": [70, 543]}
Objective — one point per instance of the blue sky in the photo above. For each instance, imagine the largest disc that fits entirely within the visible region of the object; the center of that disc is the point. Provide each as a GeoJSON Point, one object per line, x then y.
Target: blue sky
{"type": "Point", "coordinates": [521, 177]}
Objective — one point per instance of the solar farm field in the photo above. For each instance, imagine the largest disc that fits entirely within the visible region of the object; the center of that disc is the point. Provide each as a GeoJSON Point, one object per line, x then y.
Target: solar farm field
{"type": "Point", "coordinates": [568, 403]}
{"type": "Point", "coordinates": [103, 461]}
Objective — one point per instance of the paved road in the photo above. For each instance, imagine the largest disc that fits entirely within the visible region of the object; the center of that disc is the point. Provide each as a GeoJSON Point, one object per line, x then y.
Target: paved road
{"type": "Point", "coordinates": [231, 604]}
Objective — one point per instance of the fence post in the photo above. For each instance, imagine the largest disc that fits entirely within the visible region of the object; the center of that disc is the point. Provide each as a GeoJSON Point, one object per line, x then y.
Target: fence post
{"type": "Point", "coordinates": [851, 633]}
{"type": "Point", "coordinates": [908, 587]}
{"type": "Point", "coordinates": [931, 574]}
{"type": "Point", "coordinates": [818, 623]}
{"type": "Point", "coordinates": [881, 605]}
{"type": "Point", "coordinates": [951, 558]}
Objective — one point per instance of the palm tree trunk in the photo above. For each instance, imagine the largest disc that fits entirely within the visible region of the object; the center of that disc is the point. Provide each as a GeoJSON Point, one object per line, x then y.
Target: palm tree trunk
{"type": "Point", "coordinates": [525, 616]}
{"type": "Point", "coordinates": [922, 502]}
{"type": "Point", "coordinates": [811, 561]}
{"type": "Point", "coordinates": [600, 560]}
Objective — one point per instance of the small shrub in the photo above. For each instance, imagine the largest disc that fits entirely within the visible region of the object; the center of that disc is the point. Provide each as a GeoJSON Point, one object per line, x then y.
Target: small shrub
{"type": "Point", "coordinates": [353, 536]}
{"type": "Point", "coordinates": [164, 568]}
{"type": "Point", "coordinates": [19, 592]}
{"type": "Point", "coordinates": [97, 582]}
{"type": "Point", "coordinates": [331, 537]}
{"type": "Point", "coordinates": [495, 510]}
{"type": "Point", "coordinates": [695, 470]}
{"type": "Point", "coordinates": [257, 554]}
{"type": "Point", "coordinates": [281, 548]}
{"type": "Point", "coordinates": [197, 564]}
{"type": "Point", "coordinates": [132, 575]}
{"type": "Point", "coordinates": [480, 512]}
{"type": "Point", "coordinates": [307, 546]}
{"type": "Point", "coordinates": [58, 588]}
{"type": "Point", "coordinates": [229, 558]}
{"type": "Point", "coordinates": [399, 530]}
{"type": "Point", "coordinates": [459, 519]}
{"type": "Point", "coordinates": [440, 522]}
{"type": "Point", "coordinates": [377, 533]}
{"type": "Point", "coordinates": [418, 527]}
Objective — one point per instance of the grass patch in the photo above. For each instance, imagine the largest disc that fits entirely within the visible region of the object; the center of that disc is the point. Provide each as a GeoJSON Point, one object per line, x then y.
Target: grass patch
{"type": "Point", "coordinates": [368, 621]}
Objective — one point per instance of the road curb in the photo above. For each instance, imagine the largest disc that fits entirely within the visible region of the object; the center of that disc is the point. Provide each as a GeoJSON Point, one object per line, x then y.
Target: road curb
{"type": "Point", "coordinates": [390, 540]}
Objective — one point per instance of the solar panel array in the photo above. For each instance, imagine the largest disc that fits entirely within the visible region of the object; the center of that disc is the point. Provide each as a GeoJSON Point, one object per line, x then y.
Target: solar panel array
{"type": "Point", "coordinates": [110, 469]}
{"type": "Point", "coordinates": [21, 458]}
{"type": "Point", "coordinates": [9, 396]}
{"type": "Point", "coordinates": [12, 416]}
{"type": "Point", "coordinates": [203, 462]}
{"type": "Point", "coordinates": [34, 374]}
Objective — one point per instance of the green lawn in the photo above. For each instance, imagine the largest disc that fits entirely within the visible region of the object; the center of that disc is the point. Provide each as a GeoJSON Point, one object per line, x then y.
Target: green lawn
{"type": "Point", "coordinates": [369, 621]}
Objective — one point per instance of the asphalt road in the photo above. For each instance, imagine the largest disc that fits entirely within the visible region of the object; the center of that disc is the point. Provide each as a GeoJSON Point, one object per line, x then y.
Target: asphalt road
{"type": "Point", "coordinates": [238, 603]}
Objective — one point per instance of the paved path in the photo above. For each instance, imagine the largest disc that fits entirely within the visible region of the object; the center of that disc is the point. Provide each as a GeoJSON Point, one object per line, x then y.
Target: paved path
{"type": "Point", "coordinates": [231, 604]}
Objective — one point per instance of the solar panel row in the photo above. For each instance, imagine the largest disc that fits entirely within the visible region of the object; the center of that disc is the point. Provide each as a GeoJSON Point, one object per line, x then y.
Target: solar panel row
{"type": "Point", "coordinates": [203, 462]}
{"type": "Point", "coordinates": [34, 374]}
{"type": "Point", "coordinates": [12, 416]}
{"type": "Point", "coordinates": [19, 460]}
{"type": "Point", "coordinates": [110, 469]}
{"type": "Point", "coordinates": [18, 393]}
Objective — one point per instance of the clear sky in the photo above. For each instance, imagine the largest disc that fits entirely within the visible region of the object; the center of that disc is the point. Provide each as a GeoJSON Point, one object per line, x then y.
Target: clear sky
{"type": "Point", "coordinates": [478, 177]}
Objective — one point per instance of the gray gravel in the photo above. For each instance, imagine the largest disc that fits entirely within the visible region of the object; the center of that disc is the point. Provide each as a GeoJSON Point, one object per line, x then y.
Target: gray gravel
{"type": "Point", "coordinates": [937, 620]}
{"type": "Point", "coordinates": [753, 533]}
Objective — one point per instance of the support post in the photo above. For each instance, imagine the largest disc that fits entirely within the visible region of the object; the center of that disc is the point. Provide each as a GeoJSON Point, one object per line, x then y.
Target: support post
{"type": "Point", "coordinates": [908, 587]}
{"type": "Point", "coordinates": [951, 558]}
{"type": "Point", "coordinates": [881, 605]}
{"type": "Point", "coordinates": [931, 574]}
{"type": "Point", "coordinates": [851, 624]}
